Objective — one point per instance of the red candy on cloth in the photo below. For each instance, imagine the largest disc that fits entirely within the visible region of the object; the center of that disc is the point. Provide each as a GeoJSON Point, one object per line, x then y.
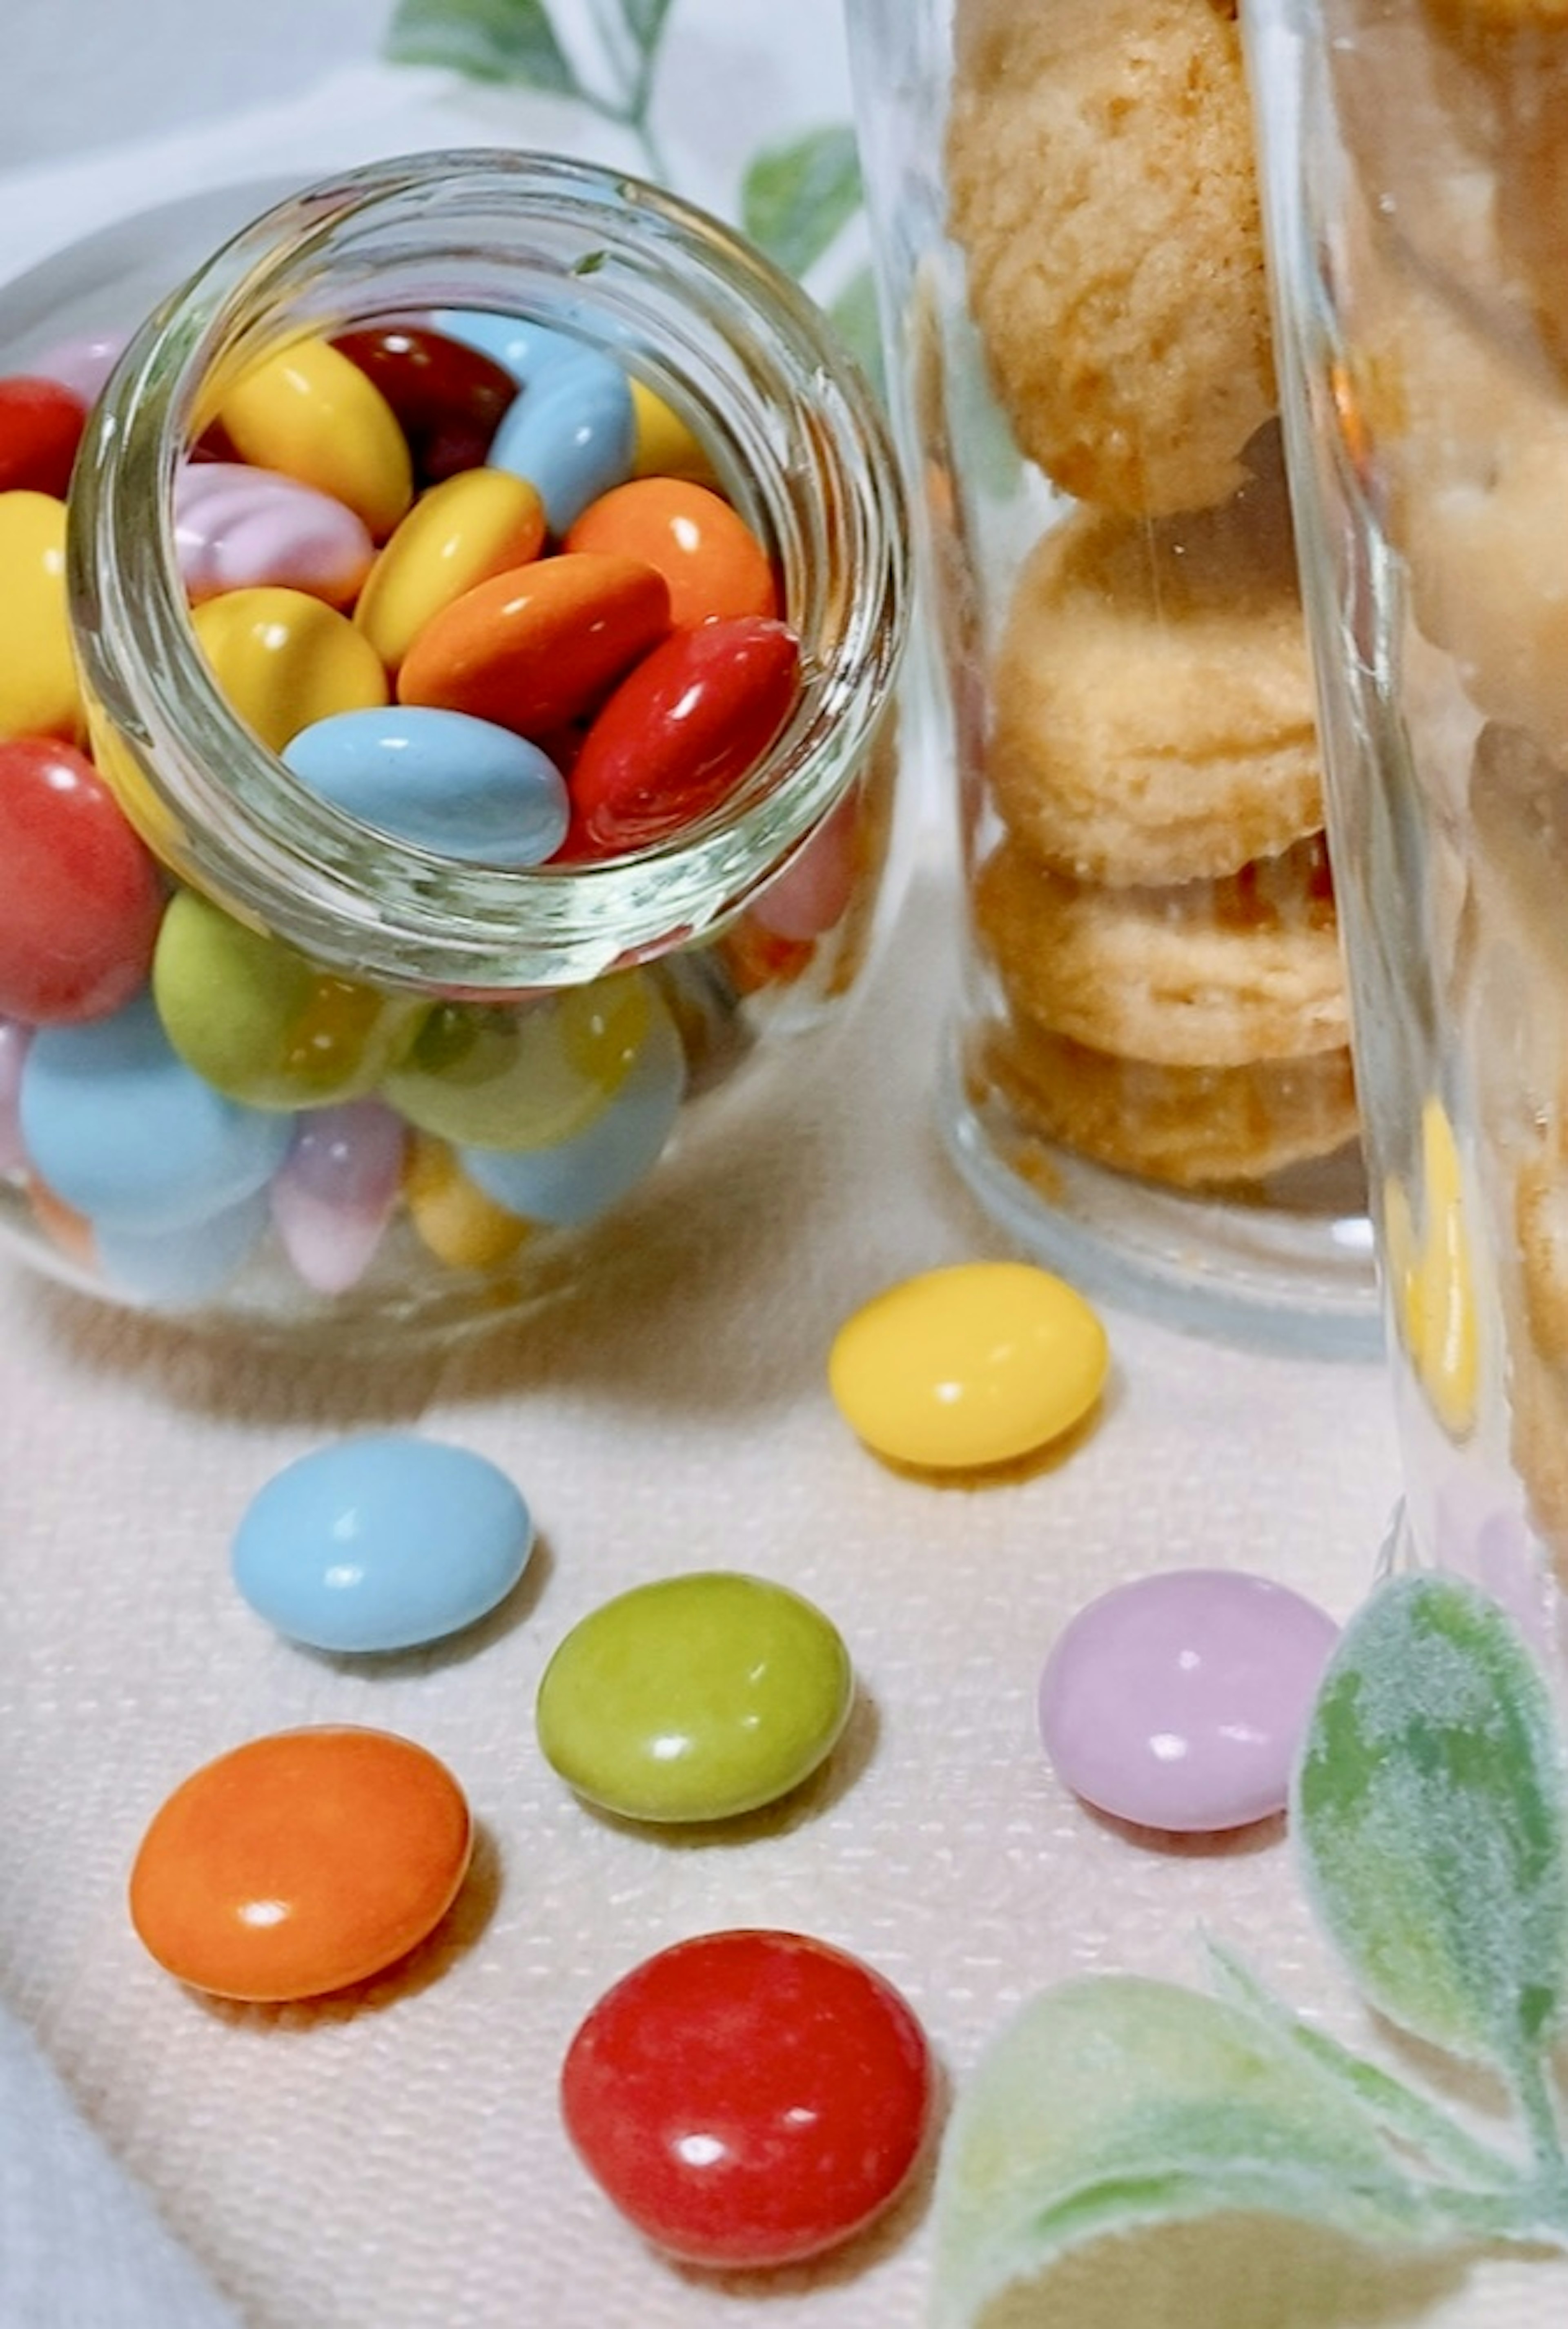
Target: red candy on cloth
{"type": "Point", "coordinates": [748, 2097]}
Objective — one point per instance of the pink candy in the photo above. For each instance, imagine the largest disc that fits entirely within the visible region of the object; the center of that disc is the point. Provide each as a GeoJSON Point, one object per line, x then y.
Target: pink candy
{"type": "Point", "coordinates": [238, 528]}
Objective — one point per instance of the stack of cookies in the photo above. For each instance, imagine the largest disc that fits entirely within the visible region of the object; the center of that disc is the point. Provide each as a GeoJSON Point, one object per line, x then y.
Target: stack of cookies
{"type": "Point", "coordinates": [1150, 882]}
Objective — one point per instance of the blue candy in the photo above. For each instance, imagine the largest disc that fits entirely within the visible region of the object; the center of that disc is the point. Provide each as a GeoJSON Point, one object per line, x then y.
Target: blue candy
{"type": "Point", "coordinates": [580, 1178]}
{"type": "Point", "coordinates": [118, 1125]}
{"type": "Point", "coordinates": [519, 346]}
{"type": "Point", "coordinates": [460, 786]}
{"type": "Point", "coordinates": [572, 433]}
{"type": "Point", "coordinates": [380, 1543]}
{"type": "Point", "coordinates": [175, 1268]}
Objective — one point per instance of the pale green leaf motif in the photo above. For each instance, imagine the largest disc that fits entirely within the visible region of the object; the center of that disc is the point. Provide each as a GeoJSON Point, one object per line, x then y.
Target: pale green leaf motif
{"type": "Point", "coordinates": [854, 315]}
{"type": "Point", "coordinates": [488, 39]}
{"type": "Point", "coordinates": [796, 199]}
{"type": "Point", "coordinates": [644, 20]}
{"type": "Point", "coordinates": [1111, 2103]}
{"type": "Point", "coordinates": [1429, 1819]}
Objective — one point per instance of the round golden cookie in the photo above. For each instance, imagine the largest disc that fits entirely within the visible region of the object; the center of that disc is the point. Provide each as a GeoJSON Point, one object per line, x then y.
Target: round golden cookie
{"type": "Point", "coordinates": [1154, 709]}
{"type": "Point", "coordinates": [1210, 973]}
{"type": "Point", "coordinates": [1188, 1128]}
{"type": "Point", "coordinates": [1102, 188]}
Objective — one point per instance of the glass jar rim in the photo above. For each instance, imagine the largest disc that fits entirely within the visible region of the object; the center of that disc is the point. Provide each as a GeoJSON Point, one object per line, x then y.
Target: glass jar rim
{"type": "Point", "coordinates": [691, 309]}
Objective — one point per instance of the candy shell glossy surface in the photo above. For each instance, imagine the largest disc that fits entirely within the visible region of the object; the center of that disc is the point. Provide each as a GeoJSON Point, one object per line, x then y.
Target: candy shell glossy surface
{"type": "Point", "coordinates": [38, 690]}
{"type": "Point", "coordinates": [694, 1698]}
{"type": "Point", "coordinates": [1177, 1700]}
{"type": "Point", "coordinates": [81, 898]}
{"type": "Point", "coordinates": [515, 342]}
{"type": "Point", "coordinates": [242, 528]}
{"type": "Point", "coordinates": [380, 1543]}
{"type": "Point", "coordinates": [285, 660]}
{"type": "Point", "coordinates": [40, 425]}
{"type": "Point", "coordinates": [455, 537]}
{"type": "Point", "coordinates": [336, 1190]}
{"type": "Point", "coordinates": [125, 1131]}
{"type": "Point", "coordinates": [749, 2099]}
{"type": "Point", "coordinates": [570, 433]}
{"type": "Point", "coordinates": [456, 785]}
{"type": "Point", "coordinates": [175, 1270]}
{"type": "Point", "coordinates": [299, 1863]}
{"type": "Point", "coordinates": [312, 413]}
{"type": "Point", "coordinates": [980, 1363]}
{"type": "Point", "coordinates": [714, 563]}
{"type": "Point", "coordinates": [510, 1075]}
{"type": "Point", "coordinates": [452, 1219]}
{"type": "Point", "coordinates": [575, 1179]}
{"type": "Point", "coordinates": [447, 397]}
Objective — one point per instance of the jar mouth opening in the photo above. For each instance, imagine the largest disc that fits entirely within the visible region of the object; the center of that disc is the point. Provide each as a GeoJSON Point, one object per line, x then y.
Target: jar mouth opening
{"type": "Point", "coordinates": [684, 305]}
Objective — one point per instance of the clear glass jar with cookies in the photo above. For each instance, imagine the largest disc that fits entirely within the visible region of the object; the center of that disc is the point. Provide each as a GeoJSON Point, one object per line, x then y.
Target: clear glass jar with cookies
{"type": "Point", "coordinates": [1147, 1077]}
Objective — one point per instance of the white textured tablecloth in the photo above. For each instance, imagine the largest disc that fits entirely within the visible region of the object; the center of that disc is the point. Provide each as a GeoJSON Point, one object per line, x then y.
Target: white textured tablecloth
{"type": "Point", "coordinates": [395, 2161]}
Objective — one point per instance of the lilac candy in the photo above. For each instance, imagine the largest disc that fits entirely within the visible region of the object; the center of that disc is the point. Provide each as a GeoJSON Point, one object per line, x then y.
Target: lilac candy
{"type": "Point", "coordinates": [1178, 1702]}
{"type": "Point", "coordinates": [82, 363]}
{"type": "Point", "coordinates": [237, 527]}
{"type": "Point", "coordinates": [14, 1038]}
{"type": "Point", "coordinates": [336, 1190]}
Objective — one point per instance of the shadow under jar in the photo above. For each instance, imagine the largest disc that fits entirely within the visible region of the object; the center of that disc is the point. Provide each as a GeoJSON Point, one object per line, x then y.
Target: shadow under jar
{"type": "Point", "coordinates": [348, 1071]}
{"type": "Point", "coordinates": [1147, 1076]}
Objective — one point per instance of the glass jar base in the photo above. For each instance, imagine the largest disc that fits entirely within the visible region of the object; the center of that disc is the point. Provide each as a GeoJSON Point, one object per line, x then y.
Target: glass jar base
{"type": "Point", "coordinates": [1301, 1281]}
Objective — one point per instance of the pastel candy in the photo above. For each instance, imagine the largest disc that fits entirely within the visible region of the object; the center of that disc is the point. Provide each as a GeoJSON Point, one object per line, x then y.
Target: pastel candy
{"type": "Point", "coordinates": [456, 785]}
{"type": "Point", "coordinates": [527, 1076]}
{"type": "Point", "coordinates": [380, 1543]}
{"type": "Point", "coordinates": [570, 433]}
{"type": "Point", "coordinates": [312, 413]}
{"type": "Point", "coordinates": [336, 1190]}
{"type": "Point", "coordinates": [456, 536]}
{"type": "Point", "coordinates": [260, 1023]}
{"type": "Point", "coordinates": [535, 648]}
{"type": "Point", "coordinates": [123, 1131]}
{"type": "Point", "coordinates": [38, 690]}
{"type": "Point", "coordinates": [1177, 1700]}
{"type": "Point", "coordinates": [238, 527]}
{"type": "Point", "coordinates": [83, 361]}
{"type": "Point", "coordinates": [452, 1219]}
{"type": "Point", "coordinates": [518, 345]}
{"type": "Point", "coordinates": [15, 1039]}
{"type": "Point", "coordinates": [694, 1698]}
{"type": "Point", "coordinates": [579, 1179]}
{"type": "Point", "coordinates": [175, 1270]}
{"type": "Point", "coordinates": [285, 659]}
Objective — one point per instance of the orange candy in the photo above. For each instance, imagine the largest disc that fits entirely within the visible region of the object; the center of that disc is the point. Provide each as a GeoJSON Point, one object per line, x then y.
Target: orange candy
{"type": "Point", "coordinates": [708, 556]}
{"type": "Point", "coordinates": [536, 647]}
{"type": "Point", "coordinates": [299, 1863]}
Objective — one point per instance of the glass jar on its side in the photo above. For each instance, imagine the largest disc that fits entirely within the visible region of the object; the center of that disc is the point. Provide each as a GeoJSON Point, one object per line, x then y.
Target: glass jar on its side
{"type": "Point", "coordinates": [1147, 1076]}
{"type": "Point", "coordinates": [403, 1084]}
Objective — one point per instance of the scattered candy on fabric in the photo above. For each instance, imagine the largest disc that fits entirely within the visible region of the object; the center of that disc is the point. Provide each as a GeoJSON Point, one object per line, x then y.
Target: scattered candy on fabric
{"type": "Point", "coordinates": [81, 896]}
{"type": "Point", "coordinates": [38, 688]}
{"type": "Point", "coordinates": [962, 1368]}
{"type": "Point", "coordinates": [126, 1133]}
{"type": "Point", "coordinates": [749, 2099]}
{"type": "Point", "coordinates": [694, 1698]}
{"type": "Point", "coordinates": [300, 1862]}
{"type": "Point", "coordinates": [240, 528]}
{"type": "Point", "coordinates": [451, 783]}
{"type": "Point", "coordinates": [336, 1190]}
{"type": "Point", "coordinates": [40, 425]}
{"type": "Point", "coordinates": [262, 1024]}
{"type": "Point", "coordinates": [381, 1542]}
{"type": "Point", "coordinates": [679, 733]}
{"type": "Point", "coordinates": [1178, 1702]}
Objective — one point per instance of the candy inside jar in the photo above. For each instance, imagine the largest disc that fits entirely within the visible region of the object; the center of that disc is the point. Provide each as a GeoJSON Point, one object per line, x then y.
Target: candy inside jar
{"type": "Point", "coordinates": [444, 746]}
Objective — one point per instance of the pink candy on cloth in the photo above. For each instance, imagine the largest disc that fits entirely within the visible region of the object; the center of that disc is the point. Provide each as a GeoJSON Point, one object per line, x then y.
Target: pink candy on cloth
{"type": "Point", "coordinates": [1178, 1702]}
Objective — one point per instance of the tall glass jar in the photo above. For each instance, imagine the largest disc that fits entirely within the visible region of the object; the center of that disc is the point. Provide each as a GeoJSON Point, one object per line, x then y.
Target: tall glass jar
{"type": "Point", "coordinates": [1147, 1075]}
{"type": "Point", "coordinates": [396, 1082]}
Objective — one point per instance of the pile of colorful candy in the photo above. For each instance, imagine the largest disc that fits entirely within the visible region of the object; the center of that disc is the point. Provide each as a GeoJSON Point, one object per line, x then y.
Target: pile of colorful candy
{"type": "Point", "coordinates": [481, 592]}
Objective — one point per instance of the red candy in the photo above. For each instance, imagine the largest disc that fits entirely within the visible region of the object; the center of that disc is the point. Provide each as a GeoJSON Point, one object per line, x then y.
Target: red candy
{"type": "Point", "coordinates": [40, 425]}
{"type": "Point", "coordinates": [748, 2097]}
{"type": "Point", "coordinates": [679, 733]}
{"type": "Point", "coordinates": [448, 399]}
{"type": "Point", "coordinates": [81, 898]}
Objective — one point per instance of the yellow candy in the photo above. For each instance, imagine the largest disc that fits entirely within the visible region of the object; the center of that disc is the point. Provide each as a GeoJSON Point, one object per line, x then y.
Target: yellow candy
{"type": "Point", "coordinates": [1432, 1279]}
{"type": "Point", "coordinates": [503, 1077]}
{"type": "Point", "coordinates": [662, 445]}
{"type": "Point", "coordinates": [963, 1367]}
{"type": "Point", "coordinates": [313, 414]}
{"type": "Point", "coordinates": [459, 1223]}
{"type": "Point", "coordinates": [480, 523]}
{"type": "Point", "coordinates": [38, 690]}
{"type": "Point", "coordinates": [285, 660]}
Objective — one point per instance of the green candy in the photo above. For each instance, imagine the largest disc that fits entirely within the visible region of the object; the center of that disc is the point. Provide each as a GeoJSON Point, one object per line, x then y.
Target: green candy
{"type": "Point", "coordinates": [696, 1698]}
{"type": "Point", "coordinates": [529, 1076]}
{"type": "Point", "coordinates": [263, 1024]}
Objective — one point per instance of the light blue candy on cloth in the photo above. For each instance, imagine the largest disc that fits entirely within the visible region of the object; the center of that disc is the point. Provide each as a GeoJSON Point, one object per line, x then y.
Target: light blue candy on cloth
{"type": "Point", "coordinates": [572, 433]}
{"type": "Point", "coordinates": [176, 1269]}
{"type": "Point", "coordinates": [119, 1128]}
{"type": "Point", "coordinates": [449, 783]}
{"type": "Point", "coordinates": [580, 1178]}
{"type": "Point", "coordinates": [380, 1542]}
